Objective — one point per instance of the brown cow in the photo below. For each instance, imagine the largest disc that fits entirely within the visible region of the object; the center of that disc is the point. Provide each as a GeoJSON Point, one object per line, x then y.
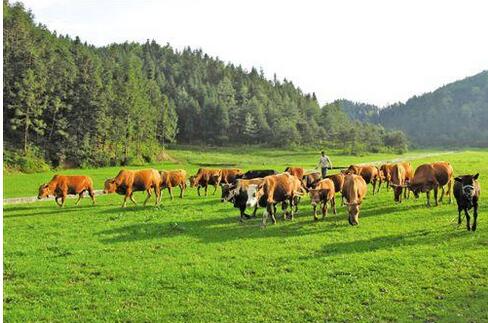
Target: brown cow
{"type": "Point", "coordinates": [398, 181]}
{"type": "Point", "coordinates": [282, 188]}
{"type": "Point", "coordinates": [369, 173]}
{"type": "Point", "coordinates": [129, 181]}
{"type": "Point", "coordinates": [354, 190]}
{"type": "Point", "coordinates": [205, 177]}
{"type": "Point", "coordinates": [385, 173]}
{"type": "Point", "coordinates": [295, 171]}
{"type": "Point", "coordinates": [338, 180]}
{"type": "Point", "coordinates": [230, 175]}
{"type": "Point", "coordinates": [173, 178]}
{"type": "Point", "coordinates": [429, 177]}
{"type": "Point", "coordinates": [310, 180]}
{"type": "Point", "coordinates": [62, 185]}
{"type": "Point", "coordinates": [444, 170]}
{"type": "Point", "coordinates": [323, 192]}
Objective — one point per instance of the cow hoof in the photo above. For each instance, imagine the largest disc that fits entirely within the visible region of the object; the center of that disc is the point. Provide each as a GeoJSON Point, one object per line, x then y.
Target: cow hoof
{"type": "Point", "coordinates": [473, 228]}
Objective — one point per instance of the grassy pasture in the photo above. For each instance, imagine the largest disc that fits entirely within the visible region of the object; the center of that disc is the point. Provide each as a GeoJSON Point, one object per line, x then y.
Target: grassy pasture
{"type": "Point", "coordinates": [192, 260]}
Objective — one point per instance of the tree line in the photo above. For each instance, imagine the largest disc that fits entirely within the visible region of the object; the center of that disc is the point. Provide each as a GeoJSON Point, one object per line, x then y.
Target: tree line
{"type": "Point", "coordinates": [454, 115]}
{"type": "Point", "coordinates": [72, 103]}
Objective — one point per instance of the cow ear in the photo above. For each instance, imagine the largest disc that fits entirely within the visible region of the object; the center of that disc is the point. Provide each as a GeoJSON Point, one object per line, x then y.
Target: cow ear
{"type": "Point", "coordinates": [476, 176]}
{"type": "Point", "coordinates": [458, 179]}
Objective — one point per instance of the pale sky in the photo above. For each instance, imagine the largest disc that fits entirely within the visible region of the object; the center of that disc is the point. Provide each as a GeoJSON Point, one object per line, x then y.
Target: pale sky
{"type": "Point", "coordinates": [378, 52]}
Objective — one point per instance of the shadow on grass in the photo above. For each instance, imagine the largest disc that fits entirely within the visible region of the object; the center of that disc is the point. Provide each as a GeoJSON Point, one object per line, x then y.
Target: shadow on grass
{"type": "Point", "coordinates": [44, 211]}
{"type": "Point", "coordinates": [220, 229]}
{"type": "Point", "coordinates": [385, 242]}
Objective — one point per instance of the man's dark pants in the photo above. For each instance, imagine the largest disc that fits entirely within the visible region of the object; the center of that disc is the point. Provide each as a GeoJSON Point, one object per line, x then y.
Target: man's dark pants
{"type": "Point", "coordinates": [324, 172]}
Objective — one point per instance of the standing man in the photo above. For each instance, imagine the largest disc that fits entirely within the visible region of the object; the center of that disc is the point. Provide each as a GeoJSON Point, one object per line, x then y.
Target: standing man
{"type": "Point", "coordinates": [324, 163]}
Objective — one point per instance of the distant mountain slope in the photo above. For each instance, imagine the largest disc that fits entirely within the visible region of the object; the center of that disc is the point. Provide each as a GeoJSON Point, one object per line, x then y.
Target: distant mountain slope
{"type": "Point", "coordinates": [453, 115]}
{"type": "Point", "coordinates": [360, 111]}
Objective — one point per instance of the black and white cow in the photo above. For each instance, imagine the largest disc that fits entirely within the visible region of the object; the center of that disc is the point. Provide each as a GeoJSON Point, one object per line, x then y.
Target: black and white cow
{"type": "Point", "coordinates": [467, 193]}
{"type": "Point", "coordinates": [237, 194]}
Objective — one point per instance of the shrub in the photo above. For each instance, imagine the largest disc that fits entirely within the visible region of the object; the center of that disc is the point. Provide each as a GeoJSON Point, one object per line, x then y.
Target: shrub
{"type": "Point", "coordinates": [29, 162]}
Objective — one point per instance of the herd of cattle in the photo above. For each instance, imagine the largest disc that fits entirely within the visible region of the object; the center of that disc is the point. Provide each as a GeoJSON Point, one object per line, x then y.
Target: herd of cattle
{"type": "Point", "coordinates": [268, 188]}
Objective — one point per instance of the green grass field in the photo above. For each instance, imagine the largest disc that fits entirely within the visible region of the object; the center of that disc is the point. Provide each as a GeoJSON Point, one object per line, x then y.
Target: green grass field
{"type": "Point", "coordinates": [191, 259]}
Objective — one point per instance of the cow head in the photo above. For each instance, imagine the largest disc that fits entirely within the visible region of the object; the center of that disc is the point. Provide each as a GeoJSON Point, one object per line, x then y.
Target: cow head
{"type": "Point", "coordinates": [353, 210]}
{"type": "Point", "coordinates": [228, 192]}
{"type": "Point", "coordinates": [418, 188]}
{"type": "Point", "coordinates": [44, 191]}
{"type": "Point", "coordinates": [193, 181]}
{"type": "Point", "coordinates": [110, 186]}
{"type": "Point", "coordinates": [316, 195]}
{"type": "Point", "coordinates": [468, 182]}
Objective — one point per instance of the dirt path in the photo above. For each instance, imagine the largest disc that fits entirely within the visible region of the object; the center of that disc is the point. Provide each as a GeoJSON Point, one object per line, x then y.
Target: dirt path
{"type": "Point", "coordinates": [32, 199]}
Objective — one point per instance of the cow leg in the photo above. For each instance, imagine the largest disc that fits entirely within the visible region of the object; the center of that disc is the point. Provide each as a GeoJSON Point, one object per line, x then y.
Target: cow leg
{"type": "Point", "coordinates": [436, 193]}
{"type": "Point", "coordinates": [80, 196]}
{"type": "Point", "coordinates": [124, 204]}
{"type": "Point", "coordinates": [170, 190]}
{"type": "Point", "coordinates": [374, 185]}
{"type": "Point", "coordinates": [92, 196]}
{"type": "Point", "coordinates": [206, 188]}
{"type": "Point", "coordinates": [265, 216]}
{"type": "Point", "coordinates": [148, 196]}
{"type": "Point", "coordinates": [132, 198]}
{"type": "Point", "coordinates": [157, 192]}
{"type": "Point", "coordinates": [427, 194]}
{"type": "Point", "coordinates": [442, 195]}
{"type": "Point", "coordinates": [57, 201]}
{"type": "Point", "coordinates": [215, 189]}
{"type": "Point", "coordinates": [198, 190]}
{"type": "Point", "coordinates": [449, 191]}
{"type": "Point", "coordinates": [284, 209]}
{"type": "Point", "coordinates": [475, 215]}
{"type": "Point", "coordinates": [181, 191]}
{"type": "Point", "coordinates": [459, 215]}
{"type": "Point", "coordinates": [296, 201]}
{"type": "Point", "coordinates": [332, 203]}
{"type": "Point", "coordinates": [255, 210]}
{"type": "Point", "coordinates": [273, 213]}
{"type": "Point", "coordinates": [243, 213]}
{"type": "Point", "coordinates": [324, 209]}
{"type": "Point", "coordinates": [315, 213]}
{"type": "Point", "coordinates": [468, 219]}
{"type": "Point", "coordinates": [63, 199]}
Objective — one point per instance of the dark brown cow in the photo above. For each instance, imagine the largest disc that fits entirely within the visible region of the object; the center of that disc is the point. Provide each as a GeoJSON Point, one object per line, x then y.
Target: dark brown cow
{"type": "Point", "coordinates": [205, 177]}
{"type": "Point", "coordinates": [354, 190]}
{"type": "Point", "coordinates": [429, 177]}
{"type": "Point", "coordinates": [368, 172]}
{"type": "Point", "coordinates": [230, 175]}
{"type": "Point", "coordinates": [323, 192]}
{"type": "Point", "coordinates": [129, 181]}
{"type": "Point", "coordinates": [62, 185]}
{"type": "Point", "coordinates": [173, 178]}
{"type": "Point", "coordinates": [385, 174]}
{"type": "Point", "coordinates": [282, 188]}
{"type": "Point", "coordinates": [398, 181]}
{"type": "Point", "coordinates": [295, 171]}
{"type": "Point", "coordinates": [467, 193]}
{"type": "Point", "coordinates": [311, 179]}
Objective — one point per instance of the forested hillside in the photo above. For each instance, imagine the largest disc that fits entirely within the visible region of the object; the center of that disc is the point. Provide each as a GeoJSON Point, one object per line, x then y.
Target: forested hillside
{"type": "Point", "coordinates": [453, 115]}
{"type": "Point", "coordinates": [71, 103]}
